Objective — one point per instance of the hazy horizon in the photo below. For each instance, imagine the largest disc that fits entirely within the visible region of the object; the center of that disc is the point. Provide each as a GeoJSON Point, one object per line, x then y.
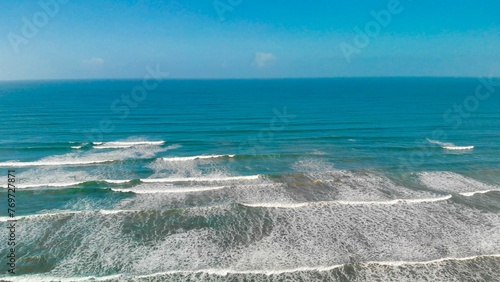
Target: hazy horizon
{"type": "Point", "coordinates": [238, 78]}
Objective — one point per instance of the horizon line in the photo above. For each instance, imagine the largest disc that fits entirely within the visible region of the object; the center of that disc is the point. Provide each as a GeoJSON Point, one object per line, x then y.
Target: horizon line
{"type": "Point", "coordinates": [243, 78]}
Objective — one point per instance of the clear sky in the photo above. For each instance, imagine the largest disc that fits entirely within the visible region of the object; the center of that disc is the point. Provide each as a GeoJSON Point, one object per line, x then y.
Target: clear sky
{"type": "Point", "coordinates": [248, 38]}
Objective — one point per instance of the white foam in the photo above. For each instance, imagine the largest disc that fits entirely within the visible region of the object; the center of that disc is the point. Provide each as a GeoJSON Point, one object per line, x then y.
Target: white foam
{"type": "Point", "coordinates": [148, 189]}
{"type": "Point", "coordinates": [47, 278]}
{"type": "Point", "coordinates": [53, 163]}
{"type": "Point", "coordinates": [400, 263]}
{"type": "Point", "coordinates": [192, 158]}
{"type": "Point", "coordinates": [67, 184]}
{"type": "Point", "coordinates": [229, 271]}
{"type": "Point", "coordinates": [243, 239]}
{"type": "Point", "coordinates": [89, 158]}
{"type": "Point", "coordinates": [458, 147]}
{"type": "Point", "coordinates": [115, 211]}
{"type": "Point", "coordinates": [325, 183]}
{"type": "Point", "coordinates": [116, 181]}
{"type": "Point", "coordinates": [125, 144]}
{"type": "Point", "coordinates": [6, 218]}
{"type": "Point", "coordinates": [180, 170]}
{"type": "Point", "coordinates": [34, 216]}
{"type": "Point", "coordinates": [199, 179]}
{"type": "Point", "coordinates": [224, 272]}
{"type": "Point", "coordinates": [469, 194]}
{"type": "Point", "coordinates": [449, 146]}
{"type": "Point", "coordinates": [321, 203]}
{"type": "Point", "coordinates": [158, 196]}
{"type": "Point", "coordinates": [76, 147]}
{"type": "Point", "coordinates": [163, 190]}
{"type": "Point", "coordinates": [52, 177]}
{"type": "Point", "coordinates": [269, 272]}
{"type": "Point", "coordinates": [455, 183]}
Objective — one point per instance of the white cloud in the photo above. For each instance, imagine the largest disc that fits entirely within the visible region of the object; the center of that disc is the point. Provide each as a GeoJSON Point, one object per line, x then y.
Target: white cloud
{"type": "Point", "coordinates": [94, 62]}
{"type": "Point", "coordinates": [263, 59]}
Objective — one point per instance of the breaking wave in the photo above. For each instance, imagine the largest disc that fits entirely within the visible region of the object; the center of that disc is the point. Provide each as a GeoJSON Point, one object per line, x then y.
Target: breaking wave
{"type": "Point", "coordinates": [450, 146]}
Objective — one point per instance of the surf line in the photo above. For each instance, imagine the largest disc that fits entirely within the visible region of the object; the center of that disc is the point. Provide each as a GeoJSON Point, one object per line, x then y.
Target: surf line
{"type": "Point", "coordinates": [225, 272]}
{"type": "Point", "coordinates": [470, 194]}
{"type": "Point", "coordinates": [250, 205]}
{"type": "Point", "coordinates": [353, 203]}
{"type": "Point", "coordinates": [63, 213]}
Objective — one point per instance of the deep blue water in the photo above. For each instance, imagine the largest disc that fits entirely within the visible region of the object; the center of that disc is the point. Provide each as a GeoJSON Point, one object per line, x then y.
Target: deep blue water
{"type": "Point", "coordinates": [230, 179]}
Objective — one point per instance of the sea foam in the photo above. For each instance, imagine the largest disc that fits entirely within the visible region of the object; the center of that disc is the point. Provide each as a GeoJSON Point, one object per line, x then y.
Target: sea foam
{"type": "Point", "coordinates": [200, 179]}
{"type": "Point", "coordinates": [192, 158]}
{"type": "Point", "coordinates": [92, 158]}
{"type": "Point", "coordinates": [450, 146]}
{"type": "Point", "coordinates": [455, 183]}
{"type": "Point", "coordinates": [125, 144]}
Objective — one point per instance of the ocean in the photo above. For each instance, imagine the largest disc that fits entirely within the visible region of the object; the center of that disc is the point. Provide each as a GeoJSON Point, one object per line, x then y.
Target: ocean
{"type": "Point", "coordinates": [342, 179]}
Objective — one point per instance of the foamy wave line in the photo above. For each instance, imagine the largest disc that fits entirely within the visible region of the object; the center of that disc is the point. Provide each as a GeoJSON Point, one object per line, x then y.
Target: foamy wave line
{"type": "Point", "coordinates": [201, 157]}
{"type": "Point", "coordinates": [184, 189]}
{"type": "Point", "coordinates": [400, 263]}
{"type": "Point", "coordinates": [225, 272]}
{"type": "Point", "coordinates": [115, 181]}
{"type": "Point", "coordinates": [31, 216]}
{"type": "Point", "coordinates": [130, 143]}
{"type": "Point", "coordinates": [125, 144]}
{"type": "Point", "coordinates": [67, 184]}
{"type": "Point", "coordinates": [449, 146]}
{"type": "Point", "coordinates": [199, 179]}
{"type": "Point", "coordinates": [52, 163]}
{"type": "Point", "coordinates": [174, 191]}
{"type": "Point", "coordinates": [146, 180]}
{"type": "Point", "coordinates": [458, 147]}
{"type": "Point", "coordinates": [353, 203]}
{"type": "Point", "coordinates": [264, 205]}
{"type": "Point", "coordinates": [81, 145]}
{"type": "Point", "coordinates": [470, 194]}
{"type": "Point", "coordinates": [90, 212]}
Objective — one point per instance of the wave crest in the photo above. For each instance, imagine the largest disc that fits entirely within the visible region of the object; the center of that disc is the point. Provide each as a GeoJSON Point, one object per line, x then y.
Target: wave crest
{"type": "Point", "coordinates": [450, 146]}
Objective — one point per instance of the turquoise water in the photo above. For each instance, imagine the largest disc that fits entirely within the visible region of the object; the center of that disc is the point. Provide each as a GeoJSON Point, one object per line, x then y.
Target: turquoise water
{"type": "Point", "coordinates": [254, 180]}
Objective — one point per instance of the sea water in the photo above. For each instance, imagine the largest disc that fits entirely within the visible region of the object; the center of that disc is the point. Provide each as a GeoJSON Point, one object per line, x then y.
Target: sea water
{"type": "Point", "coordinates": [347, 179]}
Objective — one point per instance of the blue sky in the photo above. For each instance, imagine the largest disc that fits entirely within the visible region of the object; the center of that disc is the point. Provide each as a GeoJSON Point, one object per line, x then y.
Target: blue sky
{"type": "Point", "coordinates": [248, 39]}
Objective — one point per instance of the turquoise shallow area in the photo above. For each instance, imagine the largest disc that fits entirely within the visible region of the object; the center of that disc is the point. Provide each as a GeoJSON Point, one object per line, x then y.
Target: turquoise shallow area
{"type": "Point", "coordinates": [226, 179]}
